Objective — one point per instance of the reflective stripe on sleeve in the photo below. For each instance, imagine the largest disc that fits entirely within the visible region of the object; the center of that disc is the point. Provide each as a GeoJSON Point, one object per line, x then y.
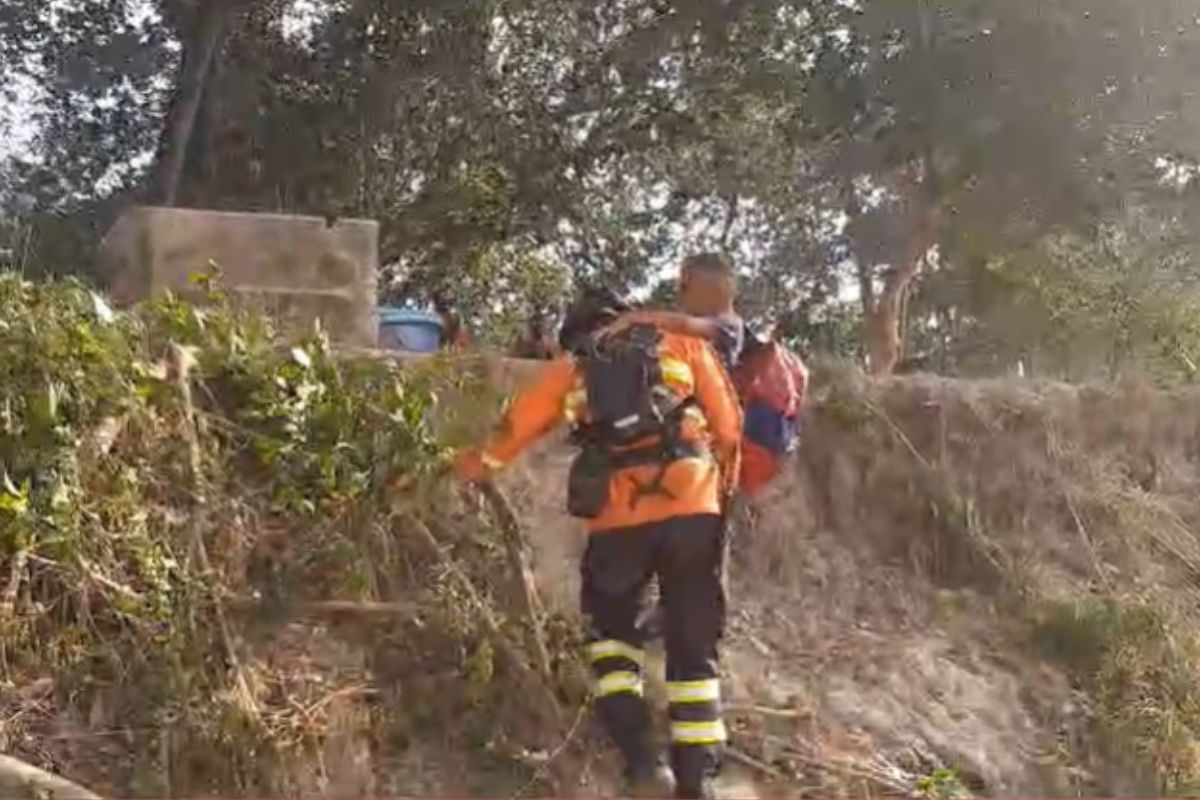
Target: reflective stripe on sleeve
{"type": "Point", "coordinates": [677, 372]}
{"type": "Point", "coordinates": [490, 461]}
{"type": "Point", "coordinates": [573, 403]}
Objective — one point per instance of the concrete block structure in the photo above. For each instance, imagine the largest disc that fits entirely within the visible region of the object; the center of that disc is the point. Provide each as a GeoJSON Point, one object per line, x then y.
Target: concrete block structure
{"type": "Point", "coordinates": [299, 269]}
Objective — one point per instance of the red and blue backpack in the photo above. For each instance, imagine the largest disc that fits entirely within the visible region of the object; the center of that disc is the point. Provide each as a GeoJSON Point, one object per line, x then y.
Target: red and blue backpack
{"type": "Point", "coordinates": [772, 383]}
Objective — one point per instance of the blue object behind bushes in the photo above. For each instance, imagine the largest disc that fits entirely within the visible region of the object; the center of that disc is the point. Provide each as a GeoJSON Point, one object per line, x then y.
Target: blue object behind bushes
{"type": "Point", "coordinates": [413, 331]}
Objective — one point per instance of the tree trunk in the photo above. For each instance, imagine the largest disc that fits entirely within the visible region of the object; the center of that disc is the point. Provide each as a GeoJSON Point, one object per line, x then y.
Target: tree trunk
{"type": "Point", "coordinates": [730, 219]}
{"type": "Point", "coordinates": [883, 323]}
{"type": "Point", "coordinates": [194, 68]}
{"type": "Point", "coordinates": [883, 314]}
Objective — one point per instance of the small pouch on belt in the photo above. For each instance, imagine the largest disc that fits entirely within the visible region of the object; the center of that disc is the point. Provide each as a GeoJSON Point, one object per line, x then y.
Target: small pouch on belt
{"type": "Point", "coordinates": [588, 483]}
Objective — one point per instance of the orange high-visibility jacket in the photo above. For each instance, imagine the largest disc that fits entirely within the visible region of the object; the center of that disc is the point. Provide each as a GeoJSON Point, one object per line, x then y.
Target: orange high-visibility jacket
{"type": "Point", "coordinates": [694, 485]}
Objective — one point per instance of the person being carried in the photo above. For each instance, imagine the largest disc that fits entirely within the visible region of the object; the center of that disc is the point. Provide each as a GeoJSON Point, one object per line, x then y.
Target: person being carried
{"type": "Point", "coordinates": [658, 428]}
{"type": "Point", "coordinates": [707, 290]}
{"type": "Point", "coordinates": [771, 380]}
{"type": "Point", "coordinates": [536, 340]}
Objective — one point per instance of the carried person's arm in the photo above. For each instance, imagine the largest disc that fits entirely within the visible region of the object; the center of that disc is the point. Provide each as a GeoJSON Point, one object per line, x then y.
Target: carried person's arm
{"type": "Point", "coordinates": [531, 414]}
{"type": "Point", "coordinates": [668, 321]}
{"type": "Point", "coordinates": [719, 402]}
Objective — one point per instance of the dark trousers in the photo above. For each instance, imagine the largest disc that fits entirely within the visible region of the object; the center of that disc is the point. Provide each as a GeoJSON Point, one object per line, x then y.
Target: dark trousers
{"type": "Point", "coordinates": [687, 556]}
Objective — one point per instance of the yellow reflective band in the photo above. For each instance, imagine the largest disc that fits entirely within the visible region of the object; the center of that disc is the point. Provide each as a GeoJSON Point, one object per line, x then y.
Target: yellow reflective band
{"type": "Point", "coordinates": [612, 648]}
{"type": "Point", "coordinates": [679, 692]}
{"type": "Point", "coordinates": [490, 461]}
{"type": "Point", "coordinates": [572, 403]}
{"type": "Point", "coordinates": [698, 732]}
{"type": "Point", "coordinates": [618, 683]}
{"type": "Point", "coordinates": [677, 372]}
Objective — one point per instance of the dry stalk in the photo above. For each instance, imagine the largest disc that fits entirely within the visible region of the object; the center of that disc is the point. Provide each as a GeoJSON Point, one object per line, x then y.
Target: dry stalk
{"type": "Point", "coordinates": [764, 711]}
{"type": "Point", "coordinates": [747, 760]}
{"type": "Point", "coordinates": [1175, 537]}
{"type": "Point", "coordinates": [1084, 536]}
{"type": "Point", "coordinates": [332, 608]}
{"type": "Point", "coordinates": [12, 590]}
{"type": "Point", "coordinates": [179, 366]}
{"type": "Point", "coordinates": [900, 435]}
{"type": "Point", "coordinates": [505, 644]}
{"type": "Point", "coordinates": [568, 739]}
{"type": "Point", "coordinates": [877, 774]}
{"type": "Point", "coordinates": [1056, 452]}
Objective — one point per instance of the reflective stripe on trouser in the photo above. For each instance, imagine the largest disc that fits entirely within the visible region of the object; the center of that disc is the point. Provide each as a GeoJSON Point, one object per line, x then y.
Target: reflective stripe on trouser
{"type": "Point", "coordinates": [686, 555]}
{"type": "Point", "coordinates": [695, 709]}
{"type": "Point", "coordinates": [691, 692]}
{"type": "Point", "coordinates": [702, 733]}
{"type": "Point", "coordinates": [619, 682]}
{"type": "Point", "coordinates": [614, 648]}
{"type": "Point", "coordinates": [617, 674]}
{"type": "Point", "coordinates": [616, 666]}
{"type": "Point", "coordinates": [698, 733]}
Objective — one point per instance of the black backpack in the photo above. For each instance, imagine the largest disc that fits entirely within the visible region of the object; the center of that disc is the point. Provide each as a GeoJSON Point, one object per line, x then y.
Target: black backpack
{"type": "Point", "coordinates": [626, 398]}
{"type": "Point", "coordinates": [627, 402]}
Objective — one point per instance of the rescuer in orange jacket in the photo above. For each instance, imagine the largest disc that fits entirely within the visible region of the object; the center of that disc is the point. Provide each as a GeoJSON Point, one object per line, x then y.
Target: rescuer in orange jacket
{"type": "Point", "coordinates": [674, 532]}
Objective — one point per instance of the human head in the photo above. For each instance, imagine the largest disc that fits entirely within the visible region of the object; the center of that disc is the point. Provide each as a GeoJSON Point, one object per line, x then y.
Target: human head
{"type": "Point", "coordinates": [706, 284]}
{"type": "Point", "coordinates": [593, 309]}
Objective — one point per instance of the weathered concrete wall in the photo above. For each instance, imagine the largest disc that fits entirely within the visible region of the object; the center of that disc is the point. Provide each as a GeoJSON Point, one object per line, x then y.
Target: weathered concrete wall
{"type": "Point", "coordinates": [299, 269]}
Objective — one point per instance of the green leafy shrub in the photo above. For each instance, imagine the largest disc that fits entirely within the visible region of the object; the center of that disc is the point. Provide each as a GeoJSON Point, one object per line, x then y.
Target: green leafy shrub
{"type": "Point", "coordinates": [163, 469]}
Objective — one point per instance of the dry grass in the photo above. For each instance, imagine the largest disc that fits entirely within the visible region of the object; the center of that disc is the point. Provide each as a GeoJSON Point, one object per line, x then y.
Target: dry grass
{"type": "Point", "coordinates": [1069, 513]}
{"type": "Point", "coordinates": [1023, 524]}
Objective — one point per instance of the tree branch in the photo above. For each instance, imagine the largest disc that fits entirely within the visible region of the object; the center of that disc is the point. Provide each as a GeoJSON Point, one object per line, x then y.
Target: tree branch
{"type": "Point", "coordinates": [18, 779]}
{"type": "Point", "coordinates": [729, 220]}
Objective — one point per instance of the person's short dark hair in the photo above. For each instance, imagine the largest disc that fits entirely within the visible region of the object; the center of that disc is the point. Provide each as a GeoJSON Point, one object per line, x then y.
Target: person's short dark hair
{"type": "Point", "coordinates": [593, 309]}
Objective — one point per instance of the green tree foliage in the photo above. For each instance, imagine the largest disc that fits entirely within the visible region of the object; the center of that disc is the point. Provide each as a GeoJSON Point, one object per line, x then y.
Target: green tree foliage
{"type": "Point", "coordinates": [607, 133]}
{"type": "Point", "coordinates": [605, 139]}
{"type": "Point", "coordinates": [1122, 302]}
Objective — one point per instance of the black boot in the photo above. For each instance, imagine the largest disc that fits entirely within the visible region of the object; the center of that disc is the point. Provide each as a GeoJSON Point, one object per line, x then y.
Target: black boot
{"type": "Point", "coordinates": [652, 781]}
{"type": "Point", "coordinates": [627, 719]}
{"type": "Point", "coordinates": [695, 766]}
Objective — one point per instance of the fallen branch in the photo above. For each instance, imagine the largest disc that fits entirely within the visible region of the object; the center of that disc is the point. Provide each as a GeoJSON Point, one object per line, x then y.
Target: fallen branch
{"type": "Point", "coordinates": [851, 769]}
{"type": "Point", "coordinates": [747, 760]}
{"type": "Point", "coordinates": [765, 711]}
{"type": "Point", "coordinates": [507, 647]}
{"type": "Point", "coordinates": [517, 548]}
{"type": "Point", "coordinates": [551, 757]}
{"type": "Point", "coordinates": [319, 608]}
{"type": "Point", "coordinates": [21, 780]}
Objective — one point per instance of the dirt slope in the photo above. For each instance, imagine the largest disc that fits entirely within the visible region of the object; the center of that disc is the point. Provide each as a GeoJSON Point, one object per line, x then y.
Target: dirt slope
{"type": "Point", "coordinates": [931, 600]}
{"type": "Point", "coordinates": [983, 588]}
